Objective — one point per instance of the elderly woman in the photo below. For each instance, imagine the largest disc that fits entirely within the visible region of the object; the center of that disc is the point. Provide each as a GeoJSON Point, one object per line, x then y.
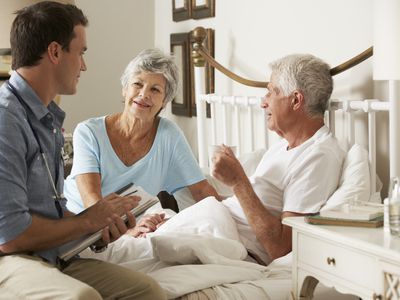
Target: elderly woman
{"type": "Point", "coordinates": [136, 145]}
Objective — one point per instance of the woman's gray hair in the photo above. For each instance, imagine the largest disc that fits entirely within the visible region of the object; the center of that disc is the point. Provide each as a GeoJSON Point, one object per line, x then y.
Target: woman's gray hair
{"type": "Point", "coordinates": [153, 61]}
{"type": "Point", "coordinates": [308, 74]}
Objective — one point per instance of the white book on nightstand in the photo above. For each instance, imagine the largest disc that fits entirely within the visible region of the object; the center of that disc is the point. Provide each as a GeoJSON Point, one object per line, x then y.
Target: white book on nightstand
{"type": "Point", "coordinates": [361, 211]}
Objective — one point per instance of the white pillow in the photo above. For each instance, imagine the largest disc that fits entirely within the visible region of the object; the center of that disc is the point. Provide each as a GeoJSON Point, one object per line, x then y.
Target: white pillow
{"type": "Point", "coordinates": [355, 178]}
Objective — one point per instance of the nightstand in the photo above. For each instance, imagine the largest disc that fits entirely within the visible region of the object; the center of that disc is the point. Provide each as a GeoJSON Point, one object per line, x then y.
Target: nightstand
{"type": "Point", "coordinates": [360, 261]}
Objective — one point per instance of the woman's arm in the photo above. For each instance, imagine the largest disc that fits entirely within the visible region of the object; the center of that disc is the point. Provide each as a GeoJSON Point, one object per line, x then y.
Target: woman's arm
{"type": "Point", "coordinates": [89, 186]}
{"type": "Point", "coordinates": [202, 190]}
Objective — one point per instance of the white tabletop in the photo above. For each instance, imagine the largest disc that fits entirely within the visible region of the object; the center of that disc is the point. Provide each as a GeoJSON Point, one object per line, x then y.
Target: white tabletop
{"type": "Point", "coordinates": [373, 240]}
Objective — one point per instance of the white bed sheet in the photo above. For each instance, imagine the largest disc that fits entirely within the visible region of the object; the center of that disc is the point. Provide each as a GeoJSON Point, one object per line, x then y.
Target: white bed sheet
{"type": "Point", "coordinates": [200, 248]}
{"type": "Point", "coordinates": [195, 250]}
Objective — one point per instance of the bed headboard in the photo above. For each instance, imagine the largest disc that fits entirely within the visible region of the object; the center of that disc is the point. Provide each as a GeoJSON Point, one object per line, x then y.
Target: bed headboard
{"type": "Point", "coordinates": [239, 121]}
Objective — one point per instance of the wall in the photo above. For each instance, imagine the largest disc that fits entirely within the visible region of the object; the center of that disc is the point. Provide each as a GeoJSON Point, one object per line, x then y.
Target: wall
{"type": "Point", "coordinates": [116, 33]}
{"type": "Point", "coordinates": [250, 34]}
{"type": "Point", "coordinates": [247, 39]}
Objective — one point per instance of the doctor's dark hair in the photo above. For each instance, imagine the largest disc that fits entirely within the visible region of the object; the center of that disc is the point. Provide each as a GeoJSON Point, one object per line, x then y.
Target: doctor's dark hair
{"type": "Point", "coordinates": [308, 74]}
{"type": "Point", "coordinates": [153, 61]}
{"type": "Point", "coordinates": [36, 26]}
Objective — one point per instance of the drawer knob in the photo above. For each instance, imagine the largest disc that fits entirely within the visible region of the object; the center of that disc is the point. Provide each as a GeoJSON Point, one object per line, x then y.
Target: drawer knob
{"type": "Point", "coordinates": [376, 296]}
{"type": "Point", "coordinates": [331, 261]}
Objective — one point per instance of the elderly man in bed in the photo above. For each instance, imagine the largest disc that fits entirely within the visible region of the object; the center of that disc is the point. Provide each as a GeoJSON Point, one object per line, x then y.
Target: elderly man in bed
{"type": "Point", "coordinates": [297, 175]}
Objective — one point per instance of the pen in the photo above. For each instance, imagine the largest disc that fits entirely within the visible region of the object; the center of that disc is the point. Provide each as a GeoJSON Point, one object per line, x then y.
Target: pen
{"type": "Point", "coordinates": [130, 193]}
{"type": "Point", "coordinates": [123, 189]}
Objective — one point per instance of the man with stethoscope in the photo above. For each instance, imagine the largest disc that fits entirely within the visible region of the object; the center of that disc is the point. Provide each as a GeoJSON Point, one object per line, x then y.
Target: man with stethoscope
{"type": "Point", "coordinates": [48, 42]}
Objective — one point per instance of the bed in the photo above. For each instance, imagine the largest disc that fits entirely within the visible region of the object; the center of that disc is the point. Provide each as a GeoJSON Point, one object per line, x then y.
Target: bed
{"type": "Point", "coordinates": [235, 120]}
{"type": "Point", "coordinates": [198, 255]}
{"type": "Point", "coordinates": [358, 176]}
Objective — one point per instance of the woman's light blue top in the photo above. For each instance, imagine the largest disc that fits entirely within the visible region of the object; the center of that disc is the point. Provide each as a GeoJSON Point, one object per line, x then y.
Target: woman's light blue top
{"type": "Point", "coordinates": [168, 166]}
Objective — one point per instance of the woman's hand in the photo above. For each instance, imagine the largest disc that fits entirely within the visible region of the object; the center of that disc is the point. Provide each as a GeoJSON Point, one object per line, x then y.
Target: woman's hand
{"type": "Point", "coordinates": [148, 223]}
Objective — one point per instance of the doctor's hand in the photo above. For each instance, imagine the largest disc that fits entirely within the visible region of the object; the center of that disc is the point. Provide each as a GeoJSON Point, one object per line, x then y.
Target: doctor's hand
{"type": "Point", "coordinates": [226, 167]}
{"type": "Point", "coordinates": [108, 214]}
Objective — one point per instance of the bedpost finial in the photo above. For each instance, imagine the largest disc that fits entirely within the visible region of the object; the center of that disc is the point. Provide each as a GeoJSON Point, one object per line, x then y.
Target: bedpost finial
{"type": "Point", "coordinates": [197, 36]}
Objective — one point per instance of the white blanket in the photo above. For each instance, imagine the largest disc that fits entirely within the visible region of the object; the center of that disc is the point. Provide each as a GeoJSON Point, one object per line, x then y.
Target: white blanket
{"type": "Point", "coordinates": [196, 249]}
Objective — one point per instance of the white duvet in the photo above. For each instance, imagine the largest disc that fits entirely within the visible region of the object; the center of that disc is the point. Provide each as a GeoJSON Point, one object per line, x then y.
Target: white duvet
{"type": "Point", "coordinates": [196, 249]}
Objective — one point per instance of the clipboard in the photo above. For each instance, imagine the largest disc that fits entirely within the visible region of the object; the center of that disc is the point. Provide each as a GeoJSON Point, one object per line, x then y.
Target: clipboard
{"type": "Point", "coordinates": [69, 250]}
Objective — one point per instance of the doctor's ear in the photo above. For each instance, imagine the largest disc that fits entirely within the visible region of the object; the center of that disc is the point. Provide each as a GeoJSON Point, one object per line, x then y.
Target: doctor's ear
{"type": "Point", "coordinates": [53, 51]}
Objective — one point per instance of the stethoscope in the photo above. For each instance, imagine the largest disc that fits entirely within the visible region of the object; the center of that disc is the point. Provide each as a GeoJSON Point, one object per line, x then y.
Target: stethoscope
{"type": "Point", "coordinates": [57, 196]}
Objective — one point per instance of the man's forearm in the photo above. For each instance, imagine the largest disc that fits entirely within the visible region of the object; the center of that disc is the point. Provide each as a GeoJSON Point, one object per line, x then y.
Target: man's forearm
{"type": "Point", "coordinates": [46, 233]}
{"type": "Point", "coordinates": [267, 227]}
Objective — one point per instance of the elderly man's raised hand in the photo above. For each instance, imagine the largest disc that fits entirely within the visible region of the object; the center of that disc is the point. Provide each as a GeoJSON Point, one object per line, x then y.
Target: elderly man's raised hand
{"type": "Point", "coordinates": [226, 168]}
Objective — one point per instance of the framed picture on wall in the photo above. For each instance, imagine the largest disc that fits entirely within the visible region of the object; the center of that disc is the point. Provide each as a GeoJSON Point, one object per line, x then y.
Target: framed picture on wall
{"type": "Point", "coordinates": [203, 9]}
{"type": "Point", "coordinates": [209, 72]}
{"type": "Point", "coordinates": [181, 10]}
{"type": "Point", "coordinates": [181, 104]}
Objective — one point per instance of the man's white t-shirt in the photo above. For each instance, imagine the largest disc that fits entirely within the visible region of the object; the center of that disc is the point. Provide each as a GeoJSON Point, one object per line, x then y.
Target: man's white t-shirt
{"type": "Point", "coordinates": [296, 180]}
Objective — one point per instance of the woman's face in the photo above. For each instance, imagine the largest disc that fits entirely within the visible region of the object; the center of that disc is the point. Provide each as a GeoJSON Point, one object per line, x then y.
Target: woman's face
{"type": "Point", "coordinates": [144, 96]}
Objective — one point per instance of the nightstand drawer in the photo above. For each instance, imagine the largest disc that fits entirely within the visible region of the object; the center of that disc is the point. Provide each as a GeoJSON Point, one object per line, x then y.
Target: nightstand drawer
{"type": "Point", "coordinates": [341, 261]}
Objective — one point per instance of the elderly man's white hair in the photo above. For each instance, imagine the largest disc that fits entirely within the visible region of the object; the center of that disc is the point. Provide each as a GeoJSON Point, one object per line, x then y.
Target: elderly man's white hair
{"type": "Point", "coordinates": [308, 74]}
